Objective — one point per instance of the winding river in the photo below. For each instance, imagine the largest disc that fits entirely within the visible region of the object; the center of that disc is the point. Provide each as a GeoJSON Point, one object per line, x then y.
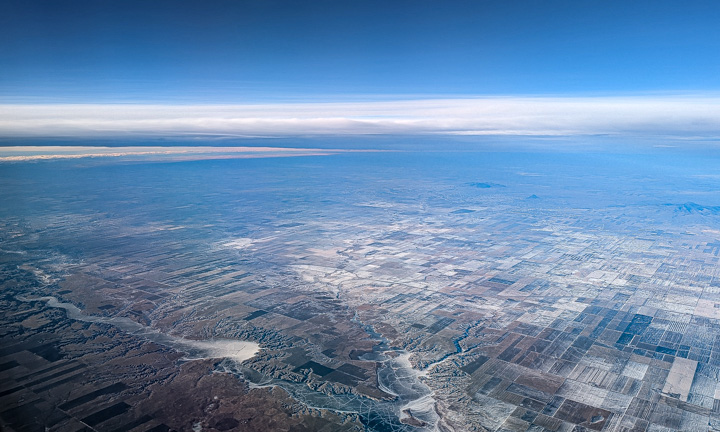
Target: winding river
{"type": "Point", "coordinates": [396, 376]}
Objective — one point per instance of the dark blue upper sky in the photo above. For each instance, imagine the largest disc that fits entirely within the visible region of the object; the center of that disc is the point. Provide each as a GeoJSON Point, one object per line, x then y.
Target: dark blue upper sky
{"type": "Point", "coordinates": [245, 51]}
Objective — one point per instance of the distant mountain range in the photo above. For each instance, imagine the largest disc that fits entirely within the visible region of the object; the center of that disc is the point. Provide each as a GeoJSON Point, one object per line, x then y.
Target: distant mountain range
{"type": "Point", "coordinates": [694, 208]}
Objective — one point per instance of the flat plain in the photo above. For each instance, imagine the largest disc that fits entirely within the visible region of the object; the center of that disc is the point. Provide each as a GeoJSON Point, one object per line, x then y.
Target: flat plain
{"type": "Point", "coordinates": [382, 291]}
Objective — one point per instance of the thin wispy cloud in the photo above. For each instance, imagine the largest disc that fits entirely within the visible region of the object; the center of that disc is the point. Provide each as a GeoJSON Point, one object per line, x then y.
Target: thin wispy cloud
{"type": "Point", "coordinates": [552, 116]}
{"type": "Point", "coordinates": [34, 153]}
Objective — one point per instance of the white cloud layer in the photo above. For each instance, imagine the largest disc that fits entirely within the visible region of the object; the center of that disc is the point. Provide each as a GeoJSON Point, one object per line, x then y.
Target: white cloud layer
{"type": "Point", "coordinates": [649, 115]}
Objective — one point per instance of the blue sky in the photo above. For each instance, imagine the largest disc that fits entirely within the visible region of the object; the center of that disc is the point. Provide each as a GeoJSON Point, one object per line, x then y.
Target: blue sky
{"type": "Point", "coordinates": [613, 66]}
{"type": "Point", "coordinates": [249, 51]}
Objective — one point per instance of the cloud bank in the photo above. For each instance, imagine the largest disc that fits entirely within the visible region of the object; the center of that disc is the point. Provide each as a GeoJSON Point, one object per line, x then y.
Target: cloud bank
{"type": "Point", "coordinates": [680, 116]}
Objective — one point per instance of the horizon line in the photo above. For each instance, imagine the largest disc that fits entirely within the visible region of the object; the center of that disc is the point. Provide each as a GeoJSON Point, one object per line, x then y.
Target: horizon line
{"type": "Point", "coordinates": [677, 115]}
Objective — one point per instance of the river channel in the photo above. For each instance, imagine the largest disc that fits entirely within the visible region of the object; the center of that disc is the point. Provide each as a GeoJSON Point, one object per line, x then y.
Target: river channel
{"type": "Point", "coordinates": [396, 376]}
